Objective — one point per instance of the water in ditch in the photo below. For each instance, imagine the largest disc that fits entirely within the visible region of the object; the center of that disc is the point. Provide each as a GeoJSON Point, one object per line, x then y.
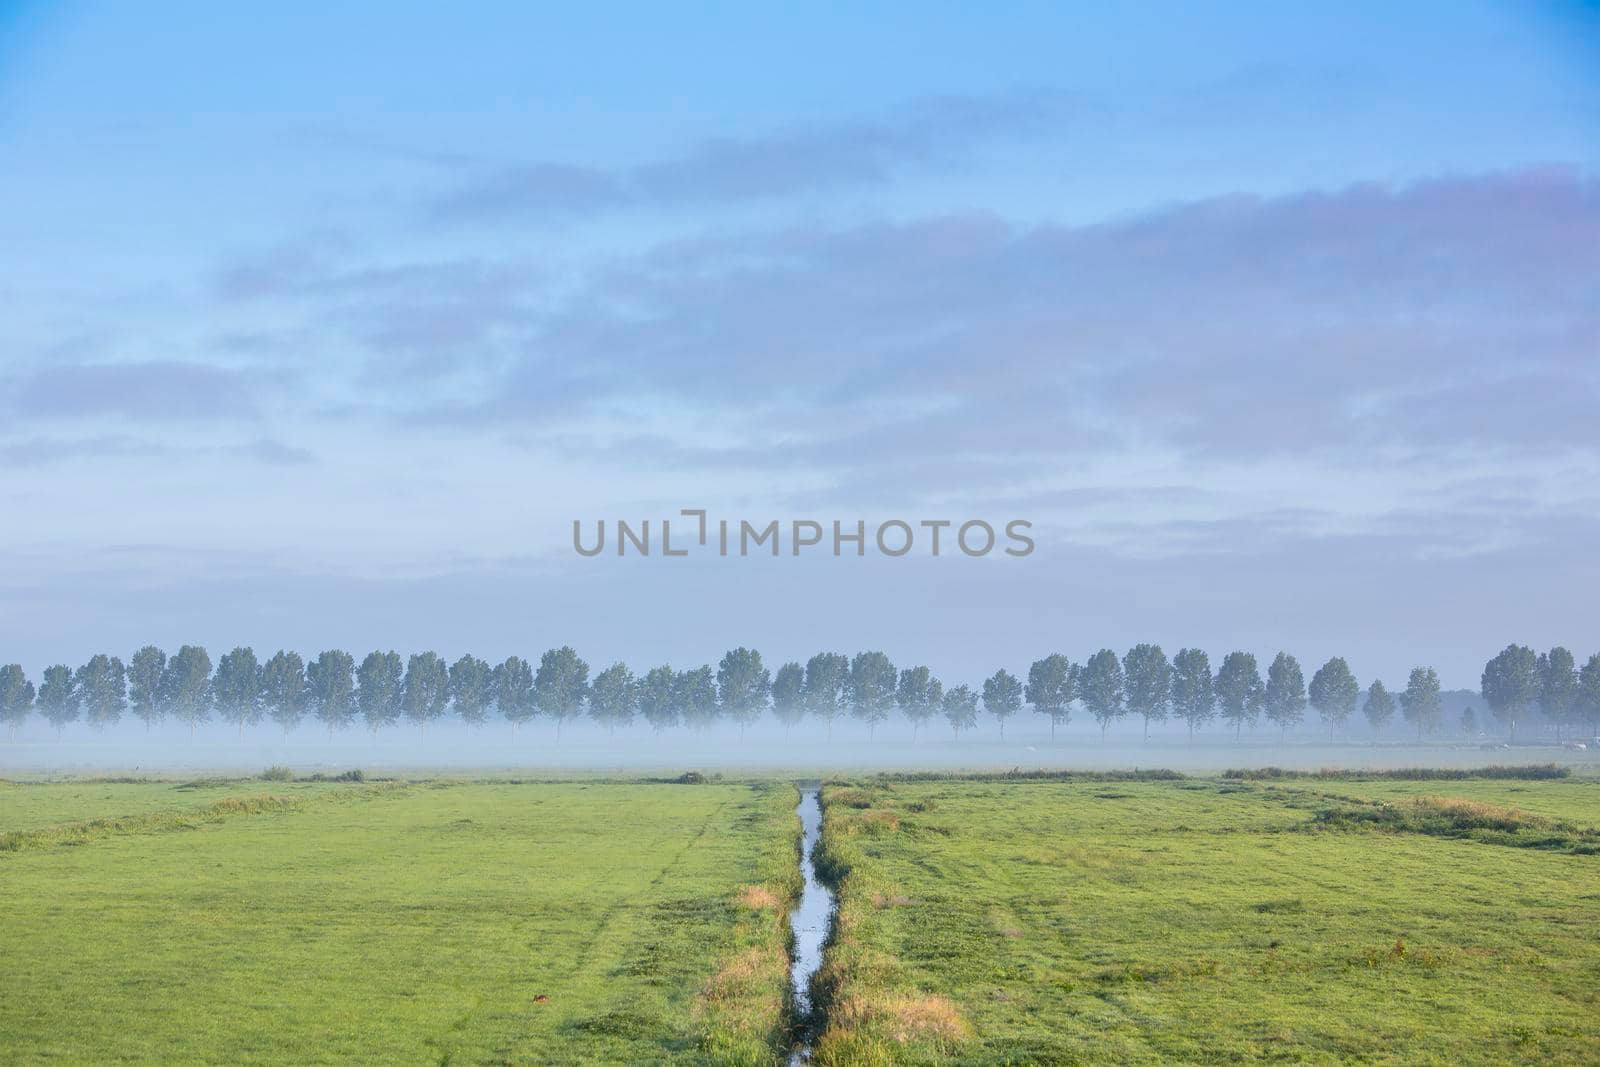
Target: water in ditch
{"type": "Point", "coordinates": [810, 921]}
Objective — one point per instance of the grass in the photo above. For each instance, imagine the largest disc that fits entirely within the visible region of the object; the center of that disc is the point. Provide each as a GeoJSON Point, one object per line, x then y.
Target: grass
{"type": "Point", "coordinates": [1203, 921]}
{"type": "Point", "coordinates": [429, 922]}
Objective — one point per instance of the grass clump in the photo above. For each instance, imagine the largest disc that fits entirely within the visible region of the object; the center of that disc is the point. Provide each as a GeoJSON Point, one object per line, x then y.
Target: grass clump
{"type": "Point", "coordinates": [277, 773]}
{"type": "Point", "coordinates": [1460, 817]}
{"type": "Point", "coordinates": [1532, 773]}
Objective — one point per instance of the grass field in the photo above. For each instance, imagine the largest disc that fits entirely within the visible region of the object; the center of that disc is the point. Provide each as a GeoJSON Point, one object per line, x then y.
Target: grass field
{"type": "Point", "coordinates": [1209, 921]}
{"type": "Point", "coordinates": [391, 922]}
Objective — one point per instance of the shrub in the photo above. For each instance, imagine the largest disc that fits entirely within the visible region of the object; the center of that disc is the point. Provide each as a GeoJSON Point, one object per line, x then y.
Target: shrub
{"type": "Point", "coordinates": [277, 773]}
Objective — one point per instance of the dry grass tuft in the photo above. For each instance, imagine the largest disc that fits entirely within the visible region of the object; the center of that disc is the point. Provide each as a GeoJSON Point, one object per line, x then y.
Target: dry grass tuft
{"type": "Point", "coordinates": [759, 898]}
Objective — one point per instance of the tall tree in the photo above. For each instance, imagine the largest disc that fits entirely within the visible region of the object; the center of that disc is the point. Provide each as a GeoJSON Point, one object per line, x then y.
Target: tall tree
{"type": "Point", "coordinates": [696, 693]}
{"type": "Point", "coordinates": [743, 684]}
{"type": "Point", "coordinates": [144, 685]}
{"type": "Point", "coordinates": [789, 695]}
{"type": "Point", "coordinates": [16, 697]}
{"type": "Point", "coordinates": [1285, 694]}
{"type": "Point", "coordinates": [960, 706]}
{"type": "Point", "coordinates": [58, 697]}
{"type": "Point", "coordinates": [614, 697]}
{"type": "Point", "coordinates": [471, 689]}
{"type": "Point", "coordinates": [658, 697]}
{"type": "Point", "coordinates": [1469, 722]}
{"type": "Point", "coordinates": [186, 686]}
{"type": "Point", "coordinates": [1510, 684]}
{"type": "Point", "coordinates": [913, 694]}
{"type": "Point", "coordinates": [1589, 694]}
{"type": "Point", "coordinates": [427, 689]}
{"type": "Point", "coordinates": [1379, 707]}
{"type": "Point", "coordinates": [1420, 702]}
{"type": "Point", "coordinates": [1002, 697]}
{"type": "Point", "coordinates": [513, 691]}
{"type": "Point", "coordinates": [1149, 681]}
{"type": "Point", "coordinates": [1558, 688]}
{"type": "Point", "coordinates": [1239, 690]}
{"type": "Point", "coordinates": [380, 682]}
{"type": "Point", "coordinates": [1052, 685]}
{"type": "Point", "coordinates": [1101, 686]}
{"type": "Point", "coordinates": [237, 688]}
{"type": "Point", "coordinates": [331, 678]}
{"type": "Point", "coordinates": [102, 686]}
{"type": "Point", "coordinates": [826, 674]}
{"type": "Point", "coordinates": [871, 688]}
{"type": "Point", "coordinates": [560, 684]}
{"type": "Point", "coordinates": [1335, 693]}
{"type": "Point", "coordinates": [284, 688]}
{"type": "Point", "coordinates": [1193, 697]}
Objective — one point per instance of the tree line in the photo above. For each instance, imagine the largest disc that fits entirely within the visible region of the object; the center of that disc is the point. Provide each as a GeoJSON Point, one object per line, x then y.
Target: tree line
{"type": "Point", "coordinates": [383, 690]}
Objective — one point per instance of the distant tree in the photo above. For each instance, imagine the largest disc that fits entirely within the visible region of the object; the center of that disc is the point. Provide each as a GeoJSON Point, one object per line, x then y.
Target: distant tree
{"type": "Point", "coordinates": [472, 689]}
{"type": "Point", "coordinates": [1193, 697]}
{"type": "Point", "coordinates": [380, 682]}
{"type": "Point", "coordinates": [16, 697]}
{"type": "Point", "coordinates": [1002, 697]}
{"type": "Point", "coordinates": [144, 684]}
{"type": "Point", "coordinates": [1285, 694]}
{"type": "Point", "coordinates": [426, 690]}
{"type": "Point", "coordinates": [1239, 690]}
{"type": "Point", "coordinates": [237, 688]}
{"type": "Point", "coordinates": [1469, 722]}
{"type": "Point", "coordinates": [1589, 693]}
{"type": "Point", "coordinates": [696, 693]}
{"type": "Point", "coordinates": [743, 685]}
{"type": "Point", "coordinates": [871, 688]}
{"type": "Point", "coordinates": [560, 684]}
{"type": "Point", "coordinates": [513, 691]}
{"type": "Point", "coordinates": [1379, 707]}
{"type": "Point", "coordinates": [826, 674]}
{"type": "Point", "coordinates": [1558, 688]}
{"type": "Point", "coordinates": [284, 688]}
{"type": "Point", "coordinates": [1420, 702]}
{"type": "Point", "coordinates": [1149, 683]}
{"type": "Point", "coordinates": [102, 686]}
{"type": "Point", "coordinates": [1101, 686]}
{"type": "Point", "coordinates": [1510, 684]}
{"type": "Point", "coordinates": [912, 694]}
{"type": "Point", "coordinates": [1335, 693]}
{"type": "Point", "coordinates": [960, 708]}
{"type": "Point", "coordinates": [58, 697]}
{"type": "Point", "coordinates": [613, 697]}
{"type": "Point", "coordinates": [186, 686]}
{"type": "Point", "coordinates": [331, 679]}
{"type": "Point", "coordinates": [789, 695]}
{"type": "Point", "coordinates": [1052, 685]}
{"type": "Point", "coordinates": [658, 698]}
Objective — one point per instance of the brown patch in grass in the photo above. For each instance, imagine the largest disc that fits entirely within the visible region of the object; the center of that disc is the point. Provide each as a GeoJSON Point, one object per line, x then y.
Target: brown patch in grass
{"type": "Point", "coordinates": [903, 1018]}
{"type": "Point", "coordinates": [759, 898]}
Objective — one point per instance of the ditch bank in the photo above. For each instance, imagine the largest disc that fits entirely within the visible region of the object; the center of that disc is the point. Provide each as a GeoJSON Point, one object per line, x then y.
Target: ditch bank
{"type": "Point", "coordinates": [811, 922]}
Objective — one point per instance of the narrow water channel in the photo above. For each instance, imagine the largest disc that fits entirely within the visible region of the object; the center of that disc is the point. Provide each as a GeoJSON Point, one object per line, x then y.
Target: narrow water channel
{"type": "Point", "coordinates": [810, 921]}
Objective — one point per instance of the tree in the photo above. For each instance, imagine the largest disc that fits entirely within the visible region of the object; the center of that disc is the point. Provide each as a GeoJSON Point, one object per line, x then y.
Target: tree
{"type": "Point", "coordinates": [1239, 690]}
{"type": "Point", "coordinates": [380, 681]}
{"type": "Point", "coordinates": [1149, 683]}
{"type": "Point", "coordinates": [743, 685]}
{"type": "Point", "coordinates": [871, 688]}
{"type": "Point", "coordinates": [658, 697]}
{"type": "Point", "coordinates": [1193, 696]}
{"type": "Point", "coordinates": [1510, 684]}
{"type": "Point", "coordinates": [826, 673]}
{"type": "Point", "coordinates": [960, 706]}
{"type": "Point", "coordinates": [1589, 693]}
{"type": "Point", "coordinates": [913, 694]}
{"type": "Point", "coordinates": [513, 691]}
{"type": "Point", "coordinates": [1335, 693]}
{"type": "Point", "coordinates": [1379, 708]}
{"type": "Point", "coordinates": [237, 688]}
{"type": "Point", "coordinates": [1002, 697]}
{"type": "Point", "coordinates": [427, 689]}
{"type": "Point", "coordinates": [789, 695]}
{"type": "Point", "coordinates": [1469, 722]}
{"type": "Point", "coordinates": [144, 684]}
{"type": "Point", "coordinates": [1420, 702]}
{"type": "Point", "coordinates": [102, 686]}
{"type": "Point", "coordinates": [1285, 694]}
{"type": "Point", "coordinates": [331, 679]}
{"type": "Point", "coordinates": [471, 689]}
{"type": "Point", "coordinates": [1052, 684]}
{"type": "Point", "coordinates": [58, 697]}
{"type": "Point", "coordinates": [560, 685]}
{"type": "Point", "coordinates": [186, 686]}
{"type": "Point", "coordinates": [16, 696]}
{"type": "Point", "coordinates": [696, 694]}
{"type": "Point", "coordinates": [284, 688]}
{"type": "Point", "coordinates": [1101, 686]}
{"type": "Point", "coordinates": [1558, 687]}
{"type": "Point", "coordinates": [613, 697]}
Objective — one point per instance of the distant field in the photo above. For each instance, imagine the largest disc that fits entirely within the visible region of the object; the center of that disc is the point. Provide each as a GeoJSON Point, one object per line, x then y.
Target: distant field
{"type": "Point", "coordinates": [1211, 921]}
{"type": "Point", "coordinates": [422, 923]}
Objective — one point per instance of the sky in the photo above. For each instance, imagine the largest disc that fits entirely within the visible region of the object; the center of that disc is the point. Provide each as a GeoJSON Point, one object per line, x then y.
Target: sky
{"type": "Point", "coordinates": [321, 324]}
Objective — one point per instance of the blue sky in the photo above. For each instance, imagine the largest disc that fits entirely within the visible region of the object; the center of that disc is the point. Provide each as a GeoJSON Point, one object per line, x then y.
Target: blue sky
{"type": "Point", "coordinates": [1278, 321]}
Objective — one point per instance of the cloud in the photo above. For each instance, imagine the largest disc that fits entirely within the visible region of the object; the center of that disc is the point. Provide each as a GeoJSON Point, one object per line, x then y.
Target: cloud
{"type": "Point", "coordinates": [154, 391]}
